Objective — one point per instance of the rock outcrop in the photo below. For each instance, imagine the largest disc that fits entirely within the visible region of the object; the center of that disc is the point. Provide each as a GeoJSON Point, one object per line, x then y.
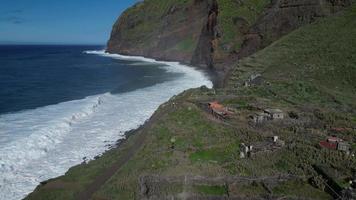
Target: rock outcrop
{"type": "Point", "coordinates": [166, 30]}
{"type": "Point", "coordinates": [211, 33]}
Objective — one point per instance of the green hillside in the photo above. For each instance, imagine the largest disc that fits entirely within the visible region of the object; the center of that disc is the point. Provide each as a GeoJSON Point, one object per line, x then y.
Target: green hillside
{"type": "Point", "coordinates": [235, 18]}
{"type": "Point", "coordinates": [184, 151]}
{"type": "Point", "coordinates": [144, 22]}
{"type": "Point", "coordinates": [316, 63]}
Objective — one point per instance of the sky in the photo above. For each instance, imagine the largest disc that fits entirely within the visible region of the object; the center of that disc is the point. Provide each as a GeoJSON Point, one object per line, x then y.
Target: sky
{"type": "Point", "coordinates": [59, 21]}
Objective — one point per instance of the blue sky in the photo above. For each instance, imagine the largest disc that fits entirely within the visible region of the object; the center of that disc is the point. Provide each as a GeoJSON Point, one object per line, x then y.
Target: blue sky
{"type": "Point", "coordinates": [59, 21]}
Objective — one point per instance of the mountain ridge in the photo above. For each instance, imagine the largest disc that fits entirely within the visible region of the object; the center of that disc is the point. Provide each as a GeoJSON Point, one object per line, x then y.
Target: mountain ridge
{"type": "Point", "coordinates": [211, 34]}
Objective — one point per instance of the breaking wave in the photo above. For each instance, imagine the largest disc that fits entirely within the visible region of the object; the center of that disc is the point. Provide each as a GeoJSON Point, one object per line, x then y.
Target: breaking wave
{"type": "Point", "coordinates": [43, 143]}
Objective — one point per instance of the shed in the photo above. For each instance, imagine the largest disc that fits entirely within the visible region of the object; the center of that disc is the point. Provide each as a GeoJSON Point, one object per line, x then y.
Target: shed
{"type": "Point", "coordinates": [219, 110]}
{"type": "Point", "coordinates": [328, 145]}
{"type": "Point", "coordinates": [254, 79]}
{"type": "Point", "coordinates": [343, 146]}
{"type": "Point", "coordinates": [245, 150]}
{"type": "Point", "coordinates": [336, 144]}
{"type": "Point", "coordinates": [275, 113]}
{"type": "Point", "coordinates": [259, 117]}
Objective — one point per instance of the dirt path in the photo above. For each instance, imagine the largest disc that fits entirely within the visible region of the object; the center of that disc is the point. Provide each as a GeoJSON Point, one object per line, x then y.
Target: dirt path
{"type": "Point", "coordinates": [108, 173]}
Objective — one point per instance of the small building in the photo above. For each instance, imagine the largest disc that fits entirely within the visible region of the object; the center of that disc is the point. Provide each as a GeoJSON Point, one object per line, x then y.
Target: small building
{"type": "Point", "coordinates": [254, 79]}
{"type": "Point", "coordinates": [245, 151]}
{"type": "Point", "coordinates": [275, 138]}
{"type": "Point", "coordinates": [330, 143]}
{"type": "Point", "coordinates": [275, 113]}
{"type": "Point", "coordinates": [335, 143]}
{"type": "Point", "coordinates": [268, 114]}
{"type": "Point", "coordinates": [268, 146]}
{"type": "Point", "coordinates": [343, 146]}
{"type": "Point", "coordinates": [218, 110]}
{"type": "Point", "coordinates": [260, 117]}
{"type": "Point", "coordinates": [277, 141]}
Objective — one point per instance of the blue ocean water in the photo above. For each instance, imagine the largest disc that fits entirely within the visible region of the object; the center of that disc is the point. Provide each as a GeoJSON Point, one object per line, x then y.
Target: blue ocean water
{"type": "Point", "coordinates": [64, 105]}
{"type": "Point", "coordinates": [35, 76]}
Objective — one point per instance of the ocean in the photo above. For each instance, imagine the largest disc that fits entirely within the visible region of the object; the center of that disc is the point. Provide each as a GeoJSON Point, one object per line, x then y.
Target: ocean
{"type": "Point", "coordinates": [64, 105]}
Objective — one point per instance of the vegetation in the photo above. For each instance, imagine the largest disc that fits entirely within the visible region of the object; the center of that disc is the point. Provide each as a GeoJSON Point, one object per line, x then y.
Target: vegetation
{"type": "Point", "coordinates": [309, 74]}
{"type": "Point", "coordinates": [314, 63]}
{"type": "Point", "coordinates": [295, 189]}
{"type": "Point", "coordinates": [144, 20]}
{"type": "Point", "coordinates": [235, 18]}
{"type": "Point", "coordinates": [187, 45]}
{"type": "Point", "coordinates": [212, 190]}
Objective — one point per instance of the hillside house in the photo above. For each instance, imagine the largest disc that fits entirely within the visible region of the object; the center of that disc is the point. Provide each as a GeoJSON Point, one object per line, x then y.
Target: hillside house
{"type": "Point", "coordinates": [343, 146]}
{"type": "Point", "coordinates": [335, 143]}
{"type": "Point", "coordinates": [275, 113]}
{"type": "Point", "coordinates": [260, 117]}
{"type": "Point", "coordinates": [254, 79]}
{"type": "Point", "coordinates": [268, 146]}
{"type": "Point", "coordinates": [218, 110]}
{"type": "Point", "coordinates": [277, 141]}
{"type": "Point", "coordinates": [268, 114]}
{"type": "Point", "coordinates": [245, 151]}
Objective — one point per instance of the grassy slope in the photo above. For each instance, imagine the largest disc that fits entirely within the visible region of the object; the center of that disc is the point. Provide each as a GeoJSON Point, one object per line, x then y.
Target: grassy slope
{"type": "Point", "coordinates": [230, 12]}
{"type": "Point", "coordinates": [312, 73]}
{"type": "Point", "coordinates": [318, 58]}
{"type": "Point", "coordinates": [234, 20]}
{"type": "Point", "coordinates": [146, 17]}
{"type": "Point", "coordinates": [313, 65]}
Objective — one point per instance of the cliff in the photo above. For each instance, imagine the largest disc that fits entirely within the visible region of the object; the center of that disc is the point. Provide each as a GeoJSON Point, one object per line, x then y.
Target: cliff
{"type": "Point", "coordinates": [185, 152]}
{"type": "Point", "coordinates": [211, 33]}
{"type": "Point", "coordinates": [167, 30]}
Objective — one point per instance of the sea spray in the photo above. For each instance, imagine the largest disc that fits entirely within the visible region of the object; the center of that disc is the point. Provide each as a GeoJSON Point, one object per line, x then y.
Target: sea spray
{"type": "Point", "coordinates": [47, 141]}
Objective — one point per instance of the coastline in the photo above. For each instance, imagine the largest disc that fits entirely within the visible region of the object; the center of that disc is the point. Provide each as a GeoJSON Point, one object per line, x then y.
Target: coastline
{"type": "Point", "coordinates": [215, 76]}
{"type": "Point", "coordinates": [140, 135]}
{"type": "Point", "coordinates": [181, 140]}
{"type": "Point", "coordinates": [134, 136]}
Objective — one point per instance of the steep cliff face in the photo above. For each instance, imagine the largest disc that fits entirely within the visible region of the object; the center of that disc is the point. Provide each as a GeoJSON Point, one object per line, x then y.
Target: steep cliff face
{"type": "Point", "coordinates": [167, 30]}
{"type": "Point", "coordinates": [211, 33]}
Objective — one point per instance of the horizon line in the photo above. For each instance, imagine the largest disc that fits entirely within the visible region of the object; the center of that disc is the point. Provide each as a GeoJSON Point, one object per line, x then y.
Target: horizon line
{"type": "Point", "coordinates": [51, 44]}
{"type": "Point", "coordinates": [7, 42]}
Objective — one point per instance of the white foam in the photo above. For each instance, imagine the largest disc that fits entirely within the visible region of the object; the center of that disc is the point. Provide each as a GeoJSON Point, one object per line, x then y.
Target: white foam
{"type": "Point", "coordinates": [39, 144]}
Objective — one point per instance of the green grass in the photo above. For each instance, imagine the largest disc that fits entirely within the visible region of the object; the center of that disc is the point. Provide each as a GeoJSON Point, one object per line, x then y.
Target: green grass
{"type": "Point", "coordinates": [231, 10]}
{"type": "Point", "coordinates": [304, 67]}
{"type": "Point", "coordinates": [353, 146]}
{"type": "Point", "coordinates": [212, 190]}
{"type": "Point", "coordinates": [211, 155]}
{"type": "Point", "coordinates": [298, 189]}
{"type": "Point", "coordinates": [144, 22]}
{"type": "Point", "coordinates": [313, 63]}
{"type": "Point", "coordinates": [254, 189]}
{"type": "Point", "coordinates": [54, 194]}
{"type": "Point", "coordinates": [186, 45]}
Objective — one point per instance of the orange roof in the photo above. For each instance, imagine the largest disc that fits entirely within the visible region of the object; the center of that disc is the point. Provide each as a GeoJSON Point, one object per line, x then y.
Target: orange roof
{"type": "Point", "coordinates": [216, 105]}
